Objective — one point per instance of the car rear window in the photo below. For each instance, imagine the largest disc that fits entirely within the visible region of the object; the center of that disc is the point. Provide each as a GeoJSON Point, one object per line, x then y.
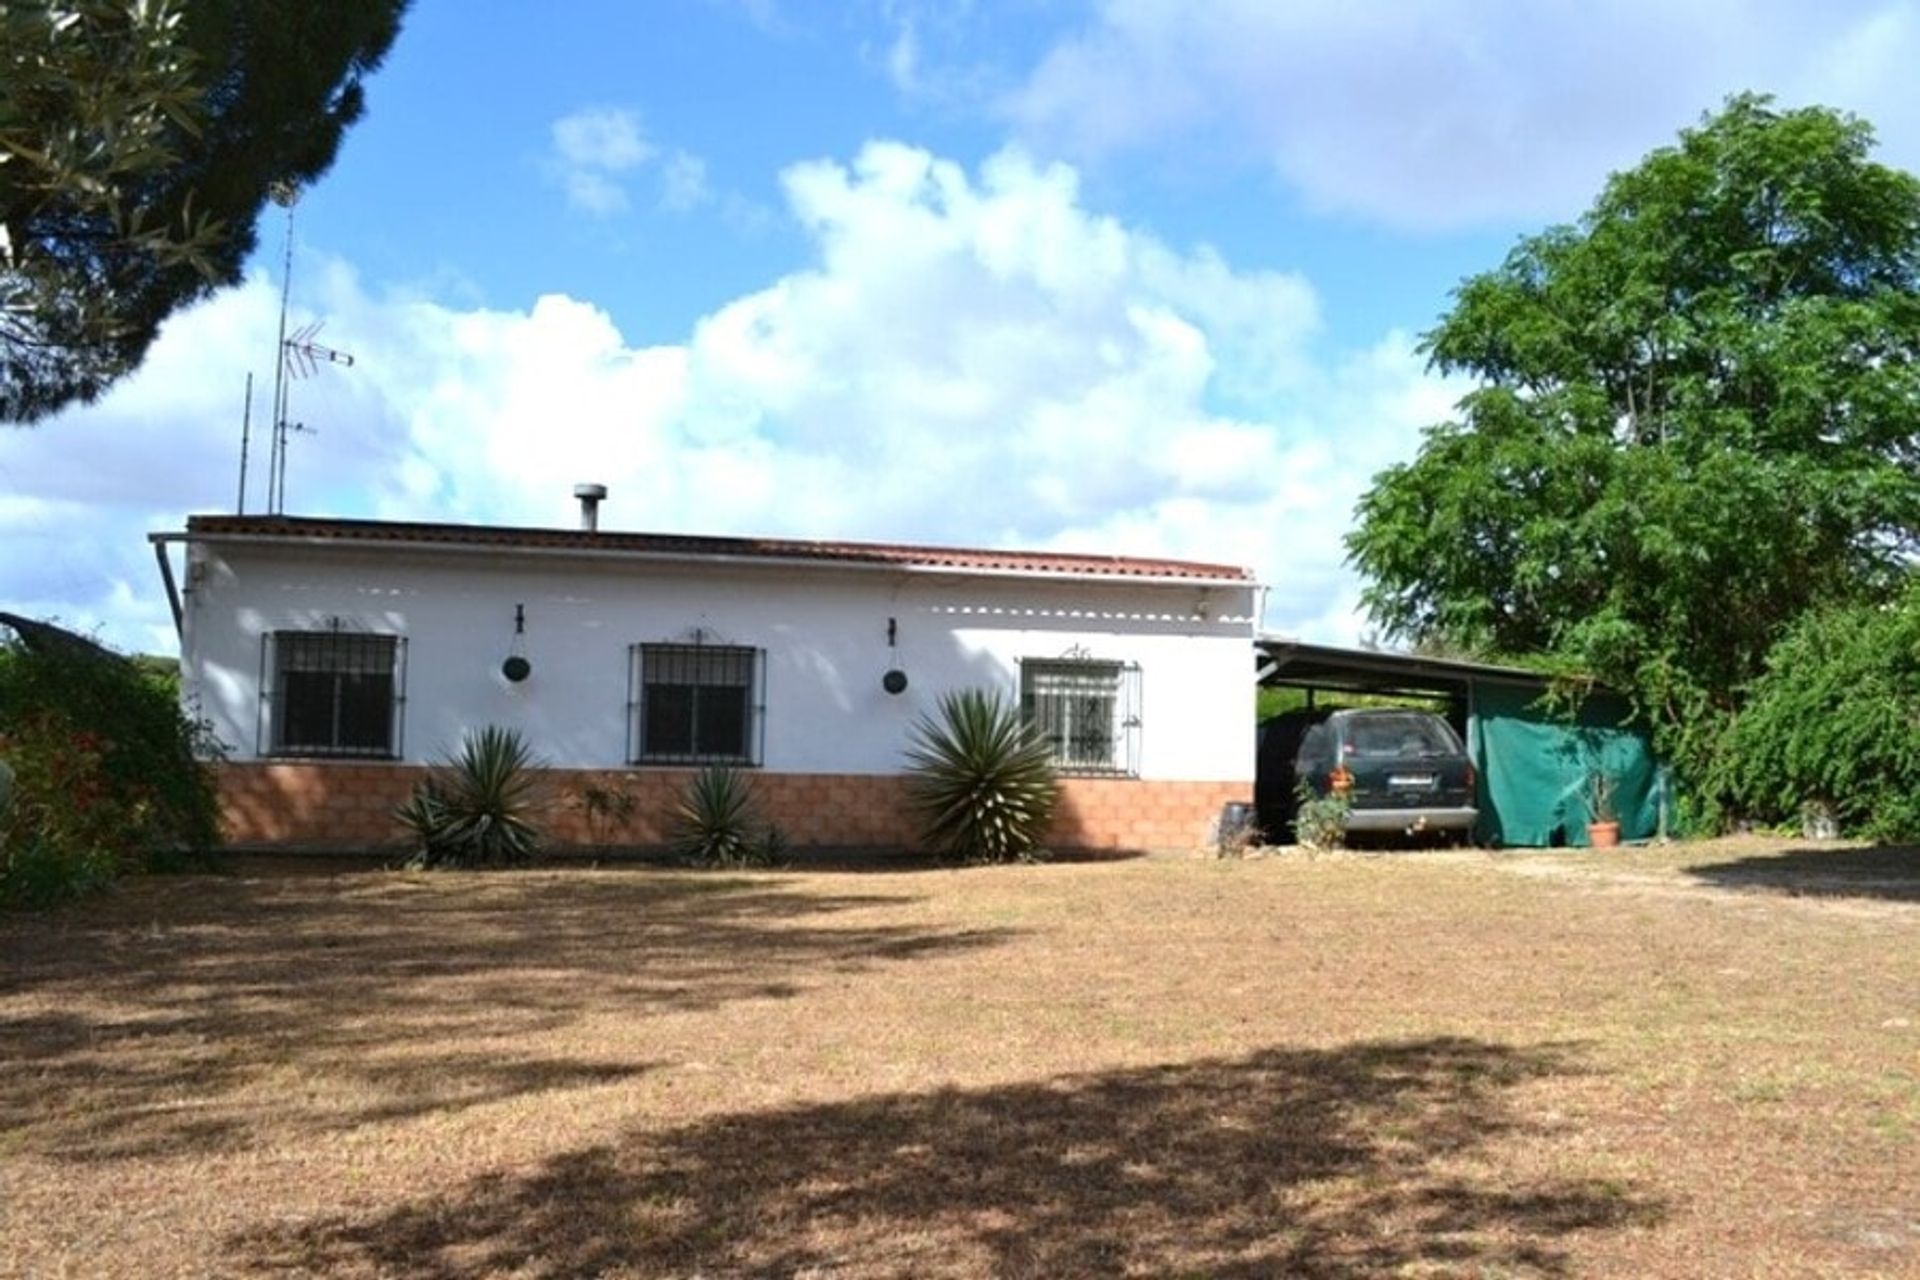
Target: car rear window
{"type": "Point", "coordinates": [1400, 735]}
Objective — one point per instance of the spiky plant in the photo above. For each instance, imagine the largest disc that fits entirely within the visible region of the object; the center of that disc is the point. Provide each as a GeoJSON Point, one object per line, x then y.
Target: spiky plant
{"type": "Point", "coordinates": [717, 821]}
{"type": "Point", "coordinates": [479, 806]}
{"type": "Point", "coordinates": [981, 779]}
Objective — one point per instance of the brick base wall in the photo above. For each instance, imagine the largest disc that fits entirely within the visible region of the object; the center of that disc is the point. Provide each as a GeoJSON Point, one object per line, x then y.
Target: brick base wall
{"type": "Point", "coordinates": [339, 805]}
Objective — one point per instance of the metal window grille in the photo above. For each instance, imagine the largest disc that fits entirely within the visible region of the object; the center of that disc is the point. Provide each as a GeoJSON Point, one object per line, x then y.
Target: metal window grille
{"type": "Point", "coordinates": [696, 704]}
{"type": "Point", "coordinates": [1089, 713]}
{"type": "Point", "coordinates": [332, 693]}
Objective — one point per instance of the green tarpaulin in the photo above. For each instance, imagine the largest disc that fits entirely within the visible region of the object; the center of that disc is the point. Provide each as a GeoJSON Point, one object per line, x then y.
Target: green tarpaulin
{"type": "Point", "coordinates": [1537, 770]}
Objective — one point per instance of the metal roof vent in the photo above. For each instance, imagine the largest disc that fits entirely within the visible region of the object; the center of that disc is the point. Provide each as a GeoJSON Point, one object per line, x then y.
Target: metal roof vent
{"type": "Point", "coordinates": [590, 495]}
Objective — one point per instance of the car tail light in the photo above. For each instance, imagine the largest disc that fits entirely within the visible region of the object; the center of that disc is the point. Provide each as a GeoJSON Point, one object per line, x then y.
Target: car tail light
{"type": "Point", "coordinates": [1473, 777]}
{"type": "Point", "coordinates": [1341, 779]}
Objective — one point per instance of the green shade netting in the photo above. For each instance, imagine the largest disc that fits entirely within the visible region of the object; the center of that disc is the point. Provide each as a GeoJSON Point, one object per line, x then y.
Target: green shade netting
{"type": "Point", "coordinates": [1536, 769]}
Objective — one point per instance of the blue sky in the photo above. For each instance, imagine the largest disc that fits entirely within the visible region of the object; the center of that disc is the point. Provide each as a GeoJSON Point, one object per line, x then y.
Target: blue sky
{"type": "Point", "coordinates": [1127, 275]}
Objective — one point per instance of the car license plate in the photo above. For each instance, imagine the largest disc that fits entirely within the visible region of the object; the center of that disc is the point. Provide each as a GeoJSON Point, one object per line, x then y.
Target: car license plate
{"type": "Point", "coordinates": [1411, 781]}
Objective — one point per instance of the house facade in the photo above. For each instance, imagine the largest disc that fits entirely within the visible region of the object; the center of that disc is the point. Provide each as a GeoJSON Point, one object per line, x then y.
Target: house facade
{"type": "Point", "coordinates": [336, 659]}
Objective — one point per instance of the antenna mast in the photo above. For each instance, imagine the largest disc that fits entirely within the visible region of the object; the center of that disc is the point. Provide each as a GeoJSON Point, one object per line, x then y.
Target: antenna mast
{"type": "Point", "coordinates": [246, 438]}
{"type": "Point", "coordinates": [283, 194]}
{"type": "Point", "coordinates": [298, 356]}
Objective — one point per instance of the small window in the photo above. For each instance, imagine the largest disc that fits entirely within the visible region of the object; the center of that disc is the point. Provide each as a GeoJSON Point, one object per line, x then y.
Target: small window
{"type": "Point", "coordinates": [696, 704]}
{"type": "Point", "coordinates": [334, 693]}
{"type": "Point", "coordinates": [1087, 711]}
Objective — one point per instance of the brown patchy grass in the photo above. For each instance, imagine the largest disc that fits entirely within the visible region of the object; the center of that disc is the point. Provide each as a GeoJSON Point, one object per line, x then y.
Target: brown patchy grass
{"type": "Point", "coordinates": [1695, 1061]}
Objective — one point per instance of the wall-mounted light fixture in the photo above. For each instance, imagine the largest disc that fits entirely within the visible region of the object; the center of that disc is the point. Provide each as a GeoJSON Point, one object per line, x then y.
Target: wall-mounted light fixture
{"type": "Point", "coordinates": [895, 680]}
{"type": "Point", "coordinates": [516, 668]}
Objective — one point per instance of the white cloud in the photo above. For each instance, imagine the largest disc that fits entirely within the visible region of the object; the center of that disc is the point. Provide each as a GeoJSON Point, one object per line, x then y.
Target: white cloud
{"type": "Point", "coordinates": [592, 149]}
{"type": "Point", "coordinates": [683, 183]}
{"type": "Point", "coordinates": [597, 151]}
{"type": "Point", "coordinates": [604, 138]}
{"type": "Point", "coordinates": [1436, 113]}
{"type": "Point", "coordinates": [969, 358]}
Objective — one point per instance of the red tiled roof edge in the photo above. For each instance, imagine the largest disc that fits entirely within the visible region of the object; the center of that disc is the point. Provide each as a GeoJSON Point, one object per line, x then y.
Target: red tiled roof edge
{"type": "Point", "coordinates": [674, 544]}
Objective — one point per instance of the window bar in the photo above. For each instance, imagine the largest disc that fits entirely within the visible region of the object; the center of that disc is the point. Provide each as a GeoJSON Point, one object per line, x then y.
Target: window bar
{"type": "Point", "coordinates": [758, 729]}
{"type": "Point", "coordinates": [399, 737]}
{"type": "Point", "coordinates": [1132, 715]}
{"type": "Point", "coordinates": [265, 687]}
{"type": "Point", "coordinates": [633, 703]}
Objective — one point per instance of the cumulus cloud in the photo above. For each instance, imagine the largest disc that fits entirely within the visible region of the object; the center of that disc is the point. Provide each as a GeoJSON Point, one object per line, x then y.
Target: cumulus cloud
{"type": "Point", "coordinates": [1442, 113]}
{"type": "Point", "coordinates": [592, 149]}
{"type": "Point", "coordinates": [968, 357]}
{"type": "Point", "coordinates": [597, 152]}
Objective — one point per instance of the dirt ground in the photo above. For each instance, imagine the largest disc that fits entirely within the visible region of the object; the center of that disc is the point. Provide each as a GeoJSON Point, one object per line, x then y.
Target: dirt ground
{"type": "Point", "coordinates": [1695, 1061]}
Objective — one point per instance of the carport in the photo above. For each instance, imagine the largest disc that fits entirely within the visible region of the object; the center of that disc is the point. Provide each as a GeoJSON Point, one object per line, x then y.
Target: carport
{"type": "Point", "coordinates": [1535, 764]}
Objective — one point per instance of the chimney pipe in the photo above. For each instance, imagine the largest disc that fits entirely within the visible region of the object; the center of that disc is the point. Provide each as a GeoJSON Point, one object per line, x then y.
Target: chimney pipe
{"type": "Point", "coordinates": [590, 496]}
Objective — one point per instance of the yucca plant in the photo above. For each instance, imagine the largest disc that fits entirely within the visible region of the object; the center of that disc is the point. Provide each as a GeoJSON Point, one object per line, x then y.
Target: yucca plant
{"type": "Point", "coordinates": [478, 807]}
{"type": "Point", "coordinates": [718, 823]}
{"type": "Point", "coordinates": [981, 779]}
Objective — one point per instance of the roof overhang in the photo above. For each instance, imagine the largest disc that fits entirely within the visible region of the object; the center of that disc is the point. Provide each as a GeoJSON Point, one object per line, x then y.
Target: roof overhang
{"type": "Point", "coordinates": [1283, 662]}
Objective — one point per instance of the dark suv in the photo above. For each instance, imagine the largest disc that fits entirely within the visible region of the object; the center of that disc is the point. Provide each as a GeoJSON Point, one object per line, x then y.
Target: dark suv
{"type": "Point", "coordinates": [1404, 771]}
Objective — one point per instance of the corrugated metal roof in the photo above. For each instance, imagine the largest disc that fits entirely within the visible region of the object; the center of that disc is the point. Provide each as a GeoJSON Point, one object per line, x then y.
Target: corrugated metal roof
{"type": "Point", "coordinates": [959, 559]}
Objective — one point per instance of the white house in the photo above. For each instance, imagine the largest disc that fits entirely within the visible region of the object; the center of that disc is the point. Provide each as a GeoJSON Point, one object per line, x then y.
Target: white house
{"type": "Point", "coordinates": [335, 658]}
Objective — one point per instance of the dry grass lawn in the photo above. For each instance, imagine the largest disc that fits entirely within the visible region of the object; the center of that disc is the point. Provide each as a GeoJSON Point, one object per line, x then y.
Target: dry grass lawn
{"type": "Point", "coordinates": [1698, 1061]}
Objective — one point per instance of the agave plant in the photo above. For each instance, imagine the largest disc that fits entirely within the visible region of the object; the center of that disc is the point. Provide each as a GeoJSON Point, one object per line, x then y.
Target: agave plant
{"type": "Point", "coordinates": [478, 807]}
{"type": "Point", "coordinates": [981, 779]}
{"type": "Point", "coordinates": [718, 822]}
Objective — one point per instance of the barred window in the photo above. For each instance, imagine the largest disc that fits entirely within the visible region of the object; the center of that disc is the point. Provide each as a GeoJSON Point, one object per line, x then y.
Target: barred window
{"type": "Point", "coordinates": [696, 704]}
{"type": "Point", "coordinates": [333, 693]}
{"type": "Point", "coordinates": [1087, 711]}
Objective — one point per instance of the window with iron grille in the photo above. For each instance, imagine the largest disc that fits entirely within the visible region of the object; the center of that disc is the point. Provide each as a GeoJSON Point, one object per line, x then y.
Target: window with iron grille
{"type": "Point", "coordinates": [333, 693]}
{"type": "Point", "coordinates": [1088, 711]}
{"type": "Point", "coordinates": [696, 704]}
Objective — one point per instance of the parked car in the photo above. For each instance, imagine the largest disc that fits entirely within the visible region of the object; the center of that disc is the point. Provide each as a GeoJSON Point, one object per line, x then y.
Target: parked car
{"type": "Point", "coordinates": [1404, 771]}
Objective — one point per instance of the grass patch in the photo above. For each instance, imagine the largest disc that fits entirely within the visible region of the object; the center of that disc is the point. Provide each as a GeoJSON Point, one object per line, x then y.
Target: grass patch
{"type": "Point", "coordinates": [1449, 1063]}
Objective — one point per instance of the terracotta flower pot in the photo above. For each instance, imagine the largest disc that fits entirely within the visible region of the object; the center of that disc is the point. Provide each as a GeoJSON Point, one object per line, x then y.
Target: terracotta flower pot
{"type": "Point", "coordinates": [1603, 835]}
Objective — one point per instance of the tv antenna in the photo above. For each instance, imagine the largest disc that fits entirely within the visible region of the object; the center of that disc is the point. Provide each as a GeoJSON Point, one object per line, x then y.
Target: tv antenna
{"type": "Point", "coordinates": [299, 356]}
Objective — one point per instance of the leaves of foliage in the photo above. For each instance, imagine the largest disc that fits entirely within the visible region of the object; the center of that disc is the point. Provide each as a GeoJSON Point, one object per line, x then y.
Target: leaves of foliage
{"type": "Point", "coordinates": [138, 142]}
{"type": "Point", "coordinates": [106, 771]}
{"type": "Point", "coordinates": [981, 779]}
{"type": "Point", "coordinates": [717, 822]}
{"type": "Point", "coordinates": [479, 807]}
{"type": "Point", "coordinates": [1699, 418]}
{"type": "Point", "coordinates": [1320, 821]}
{"type": "Point", "coordinates": [1835, 720]}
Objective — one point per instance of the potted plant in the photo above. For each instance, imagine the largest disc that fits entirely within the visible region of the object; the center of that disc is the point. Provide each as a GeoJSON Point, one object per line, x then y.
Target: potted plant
{"type": "Point", "coordinates": [1603, 826]}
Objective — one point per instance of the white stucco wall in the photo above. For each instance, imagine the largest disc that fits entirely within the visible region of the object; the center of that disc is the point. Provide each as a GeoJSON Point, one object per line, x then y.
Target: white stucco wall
{"type": "Point", "coordinates": [824, 630]}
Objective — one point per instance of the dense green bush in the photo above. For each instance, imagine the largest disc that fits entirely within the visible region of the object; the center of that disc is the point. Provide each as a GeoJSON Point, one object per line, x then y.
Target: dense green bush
{"type": "Point", "coordinates": [981, 779]}
{"type": "Point", "coordinates": [107, 773]}
{"type": "Point", "coordinates": [478, 807]}
{"type": "Point", "coordinates": [1834, 721]}
{"type": "Point", "coordinates": [718, 822]}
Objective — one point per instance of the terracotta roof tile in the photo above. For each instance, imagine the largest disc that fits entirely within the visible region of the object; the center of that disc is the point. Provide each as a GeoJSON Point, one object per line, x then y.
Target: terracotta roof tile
{"type": "Point", "coordinates": [674, 544]}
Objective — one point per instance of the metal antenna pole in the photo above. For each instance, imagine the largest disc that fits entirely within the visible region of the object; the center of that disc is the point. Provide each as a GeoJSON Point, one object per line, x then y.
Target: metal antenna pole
{"type": "Point", "coordinates": [284, 194]}
{"type": "Point", "coordinates": [246, 434]}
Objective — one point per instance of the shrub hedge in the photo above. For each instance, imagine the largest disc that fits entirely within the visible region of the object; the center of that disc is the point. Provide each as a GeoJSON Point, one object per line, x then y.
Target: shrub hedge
{"type": "Point", "coordinates": [107, 772]}
{"type": "Point", "coordinates": [1834, 721]}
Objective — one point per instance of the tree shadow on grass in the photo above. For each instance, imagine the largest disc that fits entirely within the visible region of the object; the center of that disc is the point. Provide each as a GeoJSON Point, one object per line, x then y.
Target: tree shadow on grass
{"type": "Point", "coordinates": [196, 1014]}
{"type": "Point", "coordinates": [1887, 872]}
{"type": "Point", "coordinates": [1363, 1160]}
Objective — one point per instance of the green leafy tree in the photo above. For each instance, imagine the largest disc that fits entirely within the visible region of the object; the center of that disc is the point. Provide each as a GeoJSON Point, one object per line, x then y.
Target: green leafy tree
{"type": "Point", "coordinates": [1699, 417]}
{"type": "Point", "coordinates": [139, 140]}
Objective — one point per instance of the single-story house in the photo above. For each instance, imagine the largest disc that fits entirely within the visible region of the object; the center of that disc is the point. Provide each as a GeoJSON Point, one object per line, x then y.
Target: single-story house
{"type": "Point", "coordinates": [336, 659]}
